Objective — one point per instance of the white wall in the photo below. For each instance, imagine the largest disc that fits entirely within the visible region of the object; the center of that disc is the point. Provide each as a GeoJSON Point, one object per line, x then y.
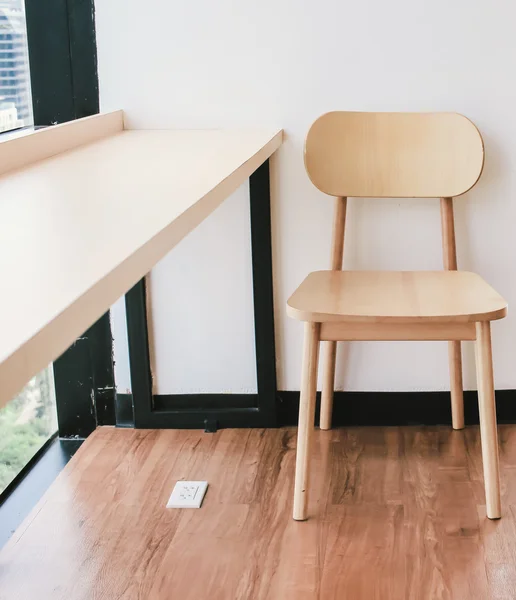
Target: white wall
{"type": "Point", "coordinates": [283, 63]}
{"type": "Point", "coordinates": [120, 347]}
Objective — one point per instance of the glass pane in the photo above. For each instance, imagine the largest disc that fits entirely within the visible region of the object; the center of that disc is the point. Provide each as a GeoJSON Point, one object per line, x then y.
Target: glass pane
{"type": "Point", "coordinates": [15, 94]}
{"type": "Point", "coordinates": [26, 423]}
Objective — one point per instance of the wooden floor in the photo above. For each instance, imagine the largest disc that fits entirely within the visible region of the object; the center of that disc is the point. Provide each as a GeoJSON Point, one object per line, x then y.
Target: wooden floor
{"type": "Point", "coordinates": [396, 513]}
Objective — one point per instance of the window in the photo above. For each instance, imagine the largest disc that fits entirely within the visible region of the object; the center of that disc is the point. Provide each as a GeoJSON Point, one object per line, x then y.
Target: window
{"type": "Point", "coordinates": [15, 94]}
{"type": "Point", "coordinates": [26, 423]}
{"type": "Point", "coordinates": [60, 85]}
{"type": "Point", "coordinates": [29, 420]}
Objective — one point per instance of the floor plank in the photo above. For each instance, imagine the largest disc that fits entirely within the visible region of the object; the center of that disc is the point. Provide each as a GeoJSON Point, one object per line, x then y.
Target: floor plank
{"type": "Point", "coordinates": [395, 513]}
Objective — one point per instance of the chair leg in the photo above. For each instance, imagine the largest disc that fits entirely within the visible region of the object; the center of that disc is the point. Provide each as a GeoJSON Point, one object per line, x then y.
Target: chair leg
{"type": "Point", "coordinates": [487, 410]}
{"type": "Point", "coordinates": [328, 383]}
{"type": "Point", "coordinates": [306, 419]}
{"type": "Point", "coordinates": [457, 399]}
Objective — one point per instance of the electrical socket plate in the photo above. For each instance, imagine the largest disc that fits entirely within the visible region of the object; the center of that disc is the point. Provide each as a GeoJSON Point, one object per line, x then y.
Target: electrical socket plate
{"type": "Point", "coordinates": [187, 494]}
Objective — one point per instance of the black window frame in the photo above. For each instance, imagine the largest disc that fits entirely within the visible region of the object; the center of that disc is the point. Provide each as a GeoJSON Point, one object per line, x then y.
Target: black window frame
{"type": "Point", "coordinates": [63, 73]}
{"type": "Point", "coordinates": [64, 85]}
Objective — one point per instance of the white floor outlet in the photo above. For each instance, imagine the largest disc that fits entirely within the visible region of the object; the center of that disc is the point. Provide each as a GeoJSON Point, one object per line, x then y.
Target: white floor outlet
{"type": "Point", "coordinates": [187, 494]}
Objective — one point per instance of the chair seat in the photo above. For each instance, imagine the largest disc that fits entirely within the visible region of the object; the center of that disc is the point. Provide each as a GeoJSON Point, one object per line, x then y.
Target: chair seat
{"type": "Point", "coordinates": [395, 296]}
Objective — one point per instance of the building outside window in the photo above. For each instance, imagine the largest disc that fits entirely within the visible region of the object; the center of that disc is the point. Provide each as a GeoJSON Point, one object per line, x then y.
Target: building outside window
{"type": "Point", "coordinates": [15, 94]}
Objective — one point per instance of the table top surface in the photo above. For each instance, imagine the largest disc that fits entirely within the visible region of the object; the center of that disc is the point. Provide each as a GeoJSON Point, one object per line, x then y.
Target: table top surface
{"type": "Point", "coordinates": [101, 215]}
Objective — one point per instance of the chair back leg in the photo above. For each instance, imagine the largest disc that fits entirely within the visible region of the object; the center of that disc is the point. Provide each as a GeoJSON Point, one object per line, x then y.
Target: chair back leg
{"type": "Point", "coordinates": [329, 354]}
{"type": "Point", "coordinates": [456, 393]}
{"type": "Point", "coordinates": [454, 353]}
{"type": "Point", "coordinates": [330, 348]}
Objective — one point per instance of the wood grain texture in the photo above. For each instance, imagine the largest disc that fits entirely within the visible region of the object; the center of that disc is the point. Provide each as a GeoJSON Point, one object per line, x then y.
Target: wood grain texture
{"type": "Point", "coordinates": [397, 155]}
{"type": "Point", "coordinates": [398, 513]}
{"type": "Point", "coordinates": [101, 216]}
{"type": "Point", "coordinates": [395, 297]}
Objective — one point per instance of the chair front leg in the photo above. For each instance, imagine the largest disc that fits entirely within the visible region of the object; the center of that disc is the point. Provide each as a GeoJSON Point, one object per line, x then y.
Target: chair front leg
{"type": "Point", "coordinates": [487, 410]}
{"type": "Point", "coordinates": [306, 418]}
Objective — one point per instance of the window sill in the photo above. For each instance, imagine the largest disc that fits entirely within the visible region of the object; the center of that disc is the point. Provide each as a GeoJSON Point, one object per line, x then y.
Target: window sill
{"type": "Point", "coordinates": [28, 487]}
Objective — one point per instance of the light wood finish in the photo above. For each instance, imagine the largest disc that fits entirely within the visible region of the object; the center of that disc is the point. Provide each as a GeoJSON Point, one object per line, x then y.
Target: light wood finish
{"type": "Point", "coordinates": [399, 155]}
{"type": "Point", "coordinates": [77, 230]}
{"type": "Point", "coordinates": [21, 149]}
{"type": "Point", "coordinates": [398, 514]}
{"type": "Point", "coordinates": [306, 419]}
{"type": "Point", "coordinates": [448, 235]}
{"type": "Point", "coordinates": [381, 332]}
{"type": "Point", "coordinates": [330, 348]}
{"type": "Point", "coordinates": [454, 348]}
{"type": "Point", "coordinates": [339, 226]}
{"type": "Point", "coordinates": [329, 359]}
{"type": "Point", "coordinates": [403, 155]}
{"type": "Point", "coordinates": [395, 297]}
{"type": "Point", "coordinates": [456, 388]}
{"type": "Point", "coordinates": [487, 411]}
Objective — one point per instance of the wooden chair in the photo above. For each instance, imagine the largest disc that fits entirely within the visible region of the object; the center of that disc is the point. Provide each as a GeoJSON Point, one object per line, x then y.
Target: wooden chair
{"type": "Point", "coordinates": [400, 155]}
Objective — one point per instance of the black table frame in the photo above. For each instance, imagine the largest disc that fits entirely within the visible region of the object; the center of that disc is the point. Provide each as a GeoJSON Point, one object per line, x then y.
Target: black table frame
{"type": "Point", "coordinates": [211, 411]}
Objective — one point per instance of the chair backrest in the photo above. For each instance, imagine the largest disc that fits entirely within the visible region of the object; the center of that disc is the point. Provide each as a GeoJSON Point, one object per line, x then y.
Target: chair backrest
{"type": "Point", "coordinates": [394, 155]}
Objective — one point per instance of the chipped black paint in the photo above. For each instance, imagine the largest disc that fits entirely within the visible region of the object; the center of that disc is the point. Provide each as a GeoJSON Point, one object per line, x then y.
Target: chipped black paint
{"type": "Point", "coordinates": [63, 59]}
{"type": "Point", "coordinates": [64, 82]}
